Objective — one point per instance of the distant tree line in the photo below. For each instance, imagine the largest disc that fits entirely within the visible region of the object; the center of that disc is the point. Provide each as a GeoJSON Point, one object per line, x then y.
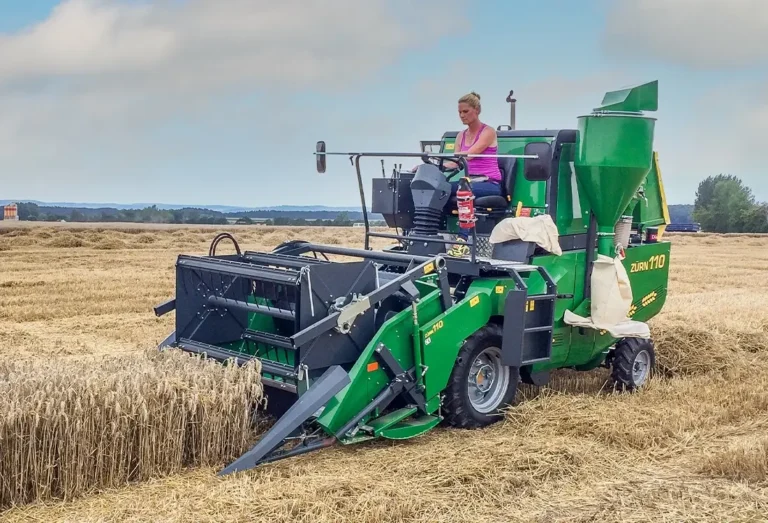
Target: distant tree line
{"type": "Point", "coordinates": [725, 205]}
{"type": "Point", "coordinates": [35, 212]}
{"type": "Point", "coordinates": [342, 219]}
{"type": "Point", "coordinates": [190, 215]}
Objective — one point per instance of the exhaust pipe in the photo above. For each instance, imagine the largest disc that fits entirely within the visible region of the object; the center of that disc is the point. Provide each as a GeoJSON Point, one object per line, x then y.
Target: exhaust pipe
{"type": "Point", "coordinates": [511, 102]}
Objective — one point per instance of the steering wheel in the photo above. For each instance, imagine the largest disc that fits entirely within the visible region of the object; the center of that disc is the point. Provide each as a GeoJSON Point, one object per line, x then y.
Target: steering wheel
{"type": "Point", "coordinates": [460, 161]}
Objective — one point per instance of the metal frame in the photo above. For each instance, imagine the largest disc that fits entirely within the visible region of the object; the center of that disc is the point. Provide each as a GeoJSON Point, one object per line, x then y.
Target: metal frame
{"type": "Point", "coordinates": [354, 159]}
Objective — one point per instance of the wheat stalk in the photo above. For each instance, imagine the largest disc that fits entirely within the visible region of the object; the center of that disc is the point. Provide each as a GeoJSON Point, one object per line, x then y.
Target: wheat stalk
{"type": "Point", "coordinates": [68, 428]}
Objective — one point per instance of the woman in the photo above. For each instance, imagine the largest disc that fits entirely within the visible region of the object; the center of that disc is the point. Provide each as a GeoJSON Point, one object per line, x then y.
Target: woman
{"type": "Point", "coordinates": [477, 138]}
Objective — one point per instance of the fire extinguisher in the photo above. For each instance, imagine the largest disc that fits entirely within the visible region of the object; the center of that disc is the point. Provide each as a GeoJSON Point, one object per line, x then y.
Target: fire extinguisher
{"type": "Point", "coordinates": [466, 204]}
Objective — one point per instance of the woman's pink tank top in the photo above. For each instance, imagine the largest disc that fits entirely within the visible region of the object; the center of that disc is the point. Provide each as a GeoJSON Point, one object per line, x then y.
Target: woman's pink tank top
{"type": "Point", "coordinates": [482, 166]}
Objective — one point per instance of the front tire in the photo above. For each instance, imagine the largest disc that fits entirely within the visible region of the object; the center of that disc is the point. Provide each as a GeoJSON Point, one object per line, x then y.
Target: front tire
{"type": "Point", "coordinates": [480, 386]}
{"type": "Point", "coordinates": [632, 363]}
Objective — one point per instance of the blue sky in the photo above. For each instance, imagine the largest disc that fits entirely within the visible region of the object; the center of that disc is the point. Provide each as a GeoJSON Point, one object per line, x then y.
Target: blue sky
{"type": "Point", "coordinates": [199, 102]}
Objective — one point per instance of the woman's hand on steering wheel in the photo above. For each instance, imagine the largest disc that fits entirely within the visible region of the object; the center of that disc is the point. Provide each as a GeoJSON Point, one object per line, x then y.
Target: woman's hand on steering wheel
{"type": "Point", "coordinates": [447, 166]}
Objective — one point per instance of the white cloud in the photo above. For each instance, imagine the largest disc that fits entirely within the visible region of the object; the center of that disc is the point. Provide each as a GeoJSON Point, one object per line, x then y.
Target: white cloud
{"type": "Point", "coordinates": [202, 44]}
{"type": "Point", "coordinates": [701, 34]}
{"type": "Point", "coordinates": [88, 95]}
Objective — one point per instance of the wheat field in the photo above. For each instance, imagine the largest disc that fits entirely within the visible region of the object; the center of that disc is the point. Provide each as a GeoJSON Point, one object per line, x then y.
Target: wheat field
{"type": "Point", "coordinates": [692, 446]}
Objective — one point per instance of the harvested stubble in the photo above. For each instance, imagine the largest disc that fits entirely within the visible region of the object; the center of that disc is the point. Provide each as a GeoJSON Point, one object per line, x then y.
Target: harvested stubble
{"type": "Point", "coordinates": [68, 429]}
{"type": "Point", "coordinates": [686, 449]}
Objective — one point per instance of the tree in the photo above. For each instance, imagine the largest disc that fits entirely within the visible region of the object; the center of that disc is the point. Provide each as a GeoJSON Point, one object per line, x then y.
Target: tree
{"type": "Point", "coordinates": [342, 219]}
{"type": "Point", "coordinates": [27, 211]}
{"type": "Point", "coordinates": [724, 204]}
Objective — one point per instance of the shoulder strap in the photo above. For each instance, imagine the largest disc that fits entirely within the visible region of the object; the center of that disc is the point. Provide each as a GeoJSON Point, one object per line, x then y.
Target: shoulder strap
{"type": "Point", "coordinates": [479, 132]}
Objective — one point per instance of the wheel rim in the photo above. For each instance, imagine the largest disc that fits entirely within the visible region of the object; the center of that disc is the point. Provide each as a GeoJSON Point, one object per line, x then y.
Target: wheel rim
{"type": "Point", "coordinates": [488, 381]}
{"type": "Point", "coordinates": [640, 367]}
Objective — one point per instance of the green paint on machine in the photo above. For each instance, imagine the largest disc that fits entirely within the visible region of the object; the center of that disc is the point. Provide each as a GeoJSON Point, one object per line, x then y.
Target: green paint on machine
{"type": "Point", "coordinates": [392, 346]}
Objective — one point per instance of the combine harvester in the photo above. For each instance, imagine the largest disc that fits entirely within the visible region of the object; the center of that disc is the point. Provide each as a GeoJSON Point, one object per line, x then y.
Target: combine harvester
{"type": "Point", "coordinates": [562, 273]}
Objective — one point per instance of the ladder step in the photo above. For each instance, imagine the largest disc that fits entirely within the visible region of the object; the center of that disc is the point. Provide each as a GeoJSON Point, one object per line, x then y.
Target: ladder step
{"type": "Point", "coordinates": [383, 423]}
{"type": "Point", "coordinates": [538, 329]}
{"type": "Point", "coordinates": [535, 360]}
{"type": "Point", "coordinates": [411, 427]}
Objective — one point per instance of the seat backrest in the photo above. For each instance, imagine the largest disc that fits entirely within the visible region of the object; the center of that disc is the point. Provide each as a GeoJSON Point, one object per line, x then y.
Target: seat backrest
{"type": "Point", "coordinates": [508, 167]}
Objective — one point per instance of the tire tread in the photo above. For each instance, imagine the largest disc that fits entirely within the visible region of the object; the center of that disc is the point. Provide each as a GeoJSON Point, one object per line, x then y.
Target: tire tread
{"type": "Point", "coordinates": [623, 356]}
{"type": "Point", "coordinates": [458, 411]}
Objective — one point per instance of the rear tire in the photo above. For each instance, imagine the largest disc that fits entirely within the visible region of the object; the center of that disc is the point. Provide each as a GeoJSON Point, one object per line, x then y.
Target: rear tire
{"type": "Point", "coordinates": [632, 363]}
{"type": "Point", "coordinates": [480, 386]}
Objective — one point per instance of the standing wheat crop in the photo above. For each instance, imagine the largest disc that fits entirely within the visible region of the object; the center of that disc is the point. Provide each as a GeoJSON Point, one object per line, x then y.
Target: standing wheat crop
{"type": "Point", "coordinates": [70, 428]}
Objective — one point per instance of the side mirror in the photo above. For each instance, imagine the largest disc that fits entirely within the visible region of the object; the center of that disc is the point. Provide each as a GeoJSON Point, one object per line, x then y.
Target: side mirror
{"type": "Point", "coordinates": [538, 169]}
{"type": "Point", "coordinates": [320, 156]}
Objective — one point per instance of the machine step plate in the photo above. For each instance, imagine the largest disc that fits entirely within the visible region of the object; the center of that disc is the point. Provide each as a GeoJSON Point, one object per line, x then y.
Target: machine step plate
{"type": "Point", "coordinates": [411, 427]}
{"type": "Point", "coordinates": [504, 264]}
{"type": "Point", "coordinates": [383, 423]}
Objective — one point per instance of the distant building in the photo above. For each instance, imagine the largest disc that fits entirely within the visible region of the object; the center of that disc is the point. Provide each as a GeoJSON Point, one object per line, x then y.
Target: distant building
{"type": "Point", "coordinates": [11, 212]}
{"type": "Point", "coordinates": [254, 221]}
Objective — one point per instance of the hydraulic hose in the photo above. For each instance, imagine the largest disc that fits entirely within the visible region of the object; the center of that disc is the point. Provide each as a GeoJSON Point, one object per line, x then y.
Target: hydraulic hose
{"type": "Point", "coordinates": [218, 238]}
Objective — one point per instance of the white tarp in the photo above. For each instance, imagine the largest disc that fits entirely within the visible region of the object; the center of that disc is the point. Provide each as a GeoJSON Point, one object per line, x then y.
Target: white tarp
{"type": "Point", "coordinates": [610, 302]}
{"type": "Point", "coordinates": [538, 229]}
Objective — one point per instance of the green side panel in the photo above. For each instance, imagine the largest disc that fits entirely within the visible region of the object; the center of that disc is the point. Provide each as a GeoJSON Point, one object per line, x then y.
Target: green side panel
{"type": "Point", "coordinates": [397, 335]}
{"type": "Point", "coordinates": [652, 211]}
{"type": "Point", "coordinates": [613, 157]}
{"type": "Point", "coordinates": [648, 269]}
{"type": "Point", "coordinates": [383, 423]}
{"type": "Point", "coordinates": [496, 289]}
{"type": "Point", "coordinates": [443, 336]}
{"type": "Point", "coordinates": [582, 347]}
{"type": "Point", "coordinates": [532, 194]}
{"type": "Point", "coordinates": [572, 202]}
{"type": "Point", "coordinates": [411, 427]}
{"type": "Point", "coordinates": [643, 97]}
{"type": "Point", "coordinates": [433, 403]}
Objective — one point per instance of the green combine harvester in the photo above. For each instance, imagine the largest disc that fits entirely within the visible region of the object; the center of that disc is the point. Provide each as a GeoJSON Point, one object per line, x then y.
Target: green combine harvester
{"type": "Point", "coordinates": [390, 343]}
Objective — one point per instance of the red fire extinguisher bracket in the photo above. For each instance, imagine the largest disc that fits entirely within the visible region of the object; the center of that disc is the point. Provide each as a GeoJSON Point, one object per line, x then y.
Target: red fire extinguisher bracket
{"type": "Point", "coordinates": [465, 200]}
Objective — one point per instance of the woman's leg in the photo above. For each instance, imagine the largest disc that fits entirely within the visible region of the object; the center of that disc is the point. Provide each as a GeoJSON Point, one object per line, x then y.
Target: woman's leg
{"type": "Point", "coordinates": [480, 189]}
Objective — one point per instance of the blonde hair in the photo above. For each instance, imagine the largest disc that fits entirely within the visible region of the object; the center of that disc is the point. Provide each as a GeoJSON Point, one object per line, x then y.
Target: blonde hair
{"type": "Point", "coordinates": [472, 99]}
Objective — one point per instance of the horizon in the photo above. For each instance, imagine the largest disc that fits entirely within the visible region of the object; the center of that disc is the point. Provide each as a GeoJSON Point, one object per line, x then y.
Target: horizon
{"type": "Point", "coordinates": [113, 101]}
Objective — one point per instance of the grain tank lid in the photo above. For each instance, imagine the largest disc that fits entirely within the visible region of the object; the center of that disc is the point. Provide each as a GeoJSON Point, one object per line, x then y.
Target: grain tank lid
{"type": "Point", "coordinates": [635, 99]}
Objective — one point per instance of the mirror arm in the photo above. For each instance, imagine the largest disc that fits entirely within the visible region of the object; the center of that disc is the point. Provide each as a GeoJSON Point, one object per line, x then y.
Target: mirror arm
{"type": "Point", "coordinates": [362, 200]}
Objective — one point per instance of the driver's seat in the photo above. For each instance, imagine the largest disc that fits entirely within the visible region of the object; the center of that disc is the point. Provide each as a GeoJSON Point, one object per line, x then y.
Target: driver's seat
{"type": "Point", "coordinates": [508, 167]}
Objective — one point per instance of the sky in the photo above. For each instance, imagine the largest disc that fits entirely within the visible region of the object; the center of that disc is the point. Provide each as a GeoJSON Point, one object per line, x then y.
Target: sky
{"type": "Point", "coordinates": [202, 102]}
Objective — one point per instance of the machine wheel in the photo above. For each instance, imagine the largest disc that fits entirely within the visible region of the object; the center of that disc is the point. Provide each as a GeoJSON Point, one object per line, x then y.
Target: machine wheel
{"type": "Point", "coordinates": [480, 386]}
{"type": "Point", "coordinates": [632, 363]}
